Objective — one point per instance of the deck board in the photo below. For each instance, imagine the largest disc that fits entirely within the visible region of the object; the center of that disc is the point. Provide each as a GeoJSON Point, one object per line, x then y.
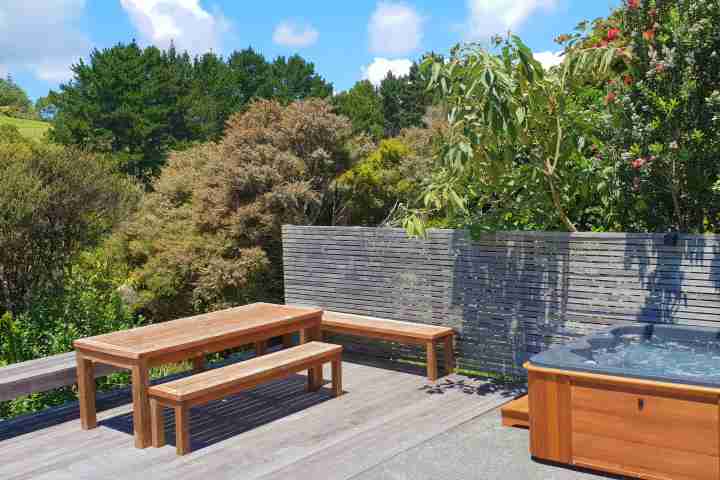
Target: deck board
{"type": "Point", "coordinates": [274, 431]}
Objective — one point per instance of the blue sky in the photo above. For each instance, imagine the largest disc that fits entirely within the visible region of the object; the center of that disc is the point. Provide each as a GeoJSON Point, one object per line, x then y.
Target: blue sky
{"type": "Point", "coordinates": [347, 41]}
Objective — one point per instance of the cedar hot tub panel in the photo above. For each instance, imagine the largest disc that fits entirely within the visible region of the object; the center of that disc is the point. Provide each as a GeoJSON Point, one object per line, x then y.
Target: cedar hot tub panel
{"type": "Point", "coordinates": [626, 426]}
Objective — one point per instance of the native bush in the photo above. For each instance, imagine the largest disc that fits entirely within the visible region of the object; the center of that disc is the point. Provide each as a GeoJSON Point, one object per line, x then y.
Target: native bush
{"type": "Point", "coordinates": [518, 149]}
{"type": "Point", "coordinates": [665, 109]}
{"type": "Point", "coordinates": [55, 202]}
{"type": "Point", "coordinates": [208, 236]}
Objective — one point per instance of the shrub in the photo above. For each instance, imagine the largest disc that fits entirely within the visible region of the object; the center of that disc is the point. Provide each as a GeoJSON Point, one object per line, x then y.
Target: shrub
{"type": "Point", "coordinates": [208, 237]}
{"type": "Point", "coordinates": [54, 203]}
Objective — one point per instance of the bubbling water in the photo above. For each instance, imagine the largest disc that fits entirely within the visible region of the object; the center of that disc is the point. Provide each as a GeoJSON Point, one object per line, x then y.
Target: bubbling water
{"type": "Point", "coordinates": [658, 356]}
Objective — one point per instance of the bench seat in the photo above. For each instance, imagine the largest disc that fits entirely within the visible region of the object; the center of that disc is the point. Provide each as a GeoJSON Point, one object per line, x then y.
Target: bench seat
{"type": "Point", "coordinates": [396, 331]}
{"type": "Point", "coordinates": [215, 384]}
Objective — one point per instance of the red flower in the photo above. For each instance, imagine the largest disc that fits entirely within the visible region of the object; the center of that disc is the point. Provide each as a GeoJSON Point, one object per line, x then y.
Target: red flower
{"type": "Point", "coordinates": [612, 34]}
{"type": "Point", "coordinates": [628, 79]}
{"type": "Point", "coordinates": [633, 4]}
{"type": "Point", "coordinates": [610, 98]}
{"type": "Point", "coordinates": [638, 163]}
{"type": "Point", "coordinates": [649, 35]}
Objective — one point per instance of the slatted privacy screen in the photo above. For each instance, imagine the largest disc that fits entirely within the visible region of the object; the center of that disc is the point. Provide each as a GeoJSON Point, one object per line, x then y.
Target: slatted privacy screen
{"type": "Point", "coordinates": [508, 295]}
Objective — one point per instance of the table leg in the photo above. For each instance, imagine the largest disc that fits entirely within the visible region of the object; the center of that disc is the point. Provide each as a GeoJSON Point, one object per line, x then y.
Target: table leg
{"type": "Point", "coordinates": [141, 405]}
{"type": "Point", "coordinates": [198, 364]}
{"type": "Point", "coordinates": [86, 391]}
{"type": "Point", "coordinates": [158, 423]}
{"type": "Point", "coordinates": [260, 348]}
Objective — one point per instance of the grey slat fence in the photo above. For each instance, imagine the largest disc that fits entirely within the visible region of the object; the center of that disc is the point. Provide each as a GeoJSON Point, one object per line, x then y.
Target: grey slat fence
{"type": "Point", "coordinates": [508, 295]}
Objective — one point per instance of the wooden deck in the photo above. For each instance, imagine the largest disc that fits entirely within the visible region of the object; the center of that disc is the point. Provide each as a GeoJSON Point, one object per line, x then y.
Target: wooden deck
{"type": "Point", "coordinates": [275, 431]}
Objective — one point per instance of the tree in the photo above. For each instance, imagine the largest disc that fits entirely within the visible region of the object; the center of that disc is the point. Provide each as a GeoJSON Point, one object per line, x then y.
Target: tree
{"type": "Point", "coordinates": [141, 103]}
{"type": "Point", "coordinates": [363, 106]}
{"type": "Point", "coordinates": [14, 101]}
{"type": "Point", "coordinates": [414, 99]}
{"type": "Point", "coordinates": [250, 75]}
{"type": "Point", "coordinates": [54, 203]}
{"type": "Point", "coordinates": [212, 98]}
{"type": "Point", "coordinates": [405, 100]}
{"type": "Point", "coordinates": [665, 108]}
{"type": "Point", "coordinates": [294, 79]}
{"type": "Point", "coordinates": [518, 149]}
{"type": "Point", "coordinates": [390, 91]}
{"type": "Point", "coordinates": [208, 236]}
{"type": "Point", "coordinates": [125, 101]}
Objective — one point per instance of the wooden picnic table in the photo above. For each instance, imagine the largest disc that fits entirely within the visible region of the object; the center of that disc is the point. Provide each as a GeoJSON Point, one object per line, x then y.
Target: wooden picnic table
{"type": "Point", "coordinates": [184, 339]}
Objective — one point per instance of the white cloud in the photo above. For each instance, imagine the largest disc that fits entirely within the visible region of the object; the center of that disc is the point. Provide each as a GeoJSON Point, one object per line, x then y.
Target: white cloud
{"type": "Point", "coordinates": [291, 34]}
{"type": "Point", "coordinates": [183, 22]}
{"type": "Point", "coordinates": [395, 29]}
{"type": "Point", "coordinates": [42, 37]}
{"type": "Point", "coordinates": [548, 59]}
{"type": "Point", "coordinates": [379, 68]}
{"type": "Point", "coordinates": [490, 17]}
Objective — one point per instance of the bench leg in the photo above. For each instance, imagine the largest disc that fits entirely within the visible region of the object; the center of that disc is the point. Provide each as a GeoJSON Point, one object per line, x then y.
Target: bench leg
{"type": "Point", "coordinates": [158, 423]}
{"type": "Point", "coordinates": [198, 364]}
{"type": "Point", "coordinates": [86, 392]}
{"type": "Point", "coordinates": [432, 371]}
{"type": "Point", "coordinates": [182, 429]}
{"type": "Point", "coordinates": [449, 355]}
{"type": "Point", "coordinates": [315, 379]}
{"type": "Point", "coordinates": [260, 348]}
{"type": "Point", "coordinates": [337, 377]}
{"type": "Point", "coordinates": [315, 374]}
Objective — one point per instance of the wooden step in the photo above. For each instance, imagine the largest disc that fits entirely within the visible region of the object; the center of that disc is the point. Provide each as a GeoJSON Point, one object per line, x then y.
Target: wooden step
{"type": "Point", "coordinates": [516, 413]}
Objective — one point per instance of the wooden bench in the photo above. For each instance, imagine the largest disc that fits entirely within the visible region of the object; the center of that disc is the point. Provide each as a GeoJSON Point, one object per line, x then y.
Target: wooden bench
{"type": "Point", "coordinates": [402, 332]}
{"type": "Point", "coordinates": [204, 387]}
{"type": "Point", "coordinates": [42, 374]}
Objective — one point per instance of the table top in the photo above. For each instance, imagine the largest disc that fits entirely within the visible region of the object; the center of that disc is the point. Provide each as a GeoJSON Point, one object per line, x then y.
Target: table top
{"type": "Point", "coordinates": [175, 335]}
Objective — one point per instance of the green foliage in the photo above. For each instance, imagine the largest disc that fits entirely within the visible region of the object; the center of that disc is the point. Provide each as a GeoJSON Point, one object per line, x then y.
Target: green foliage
{"type": "Point", "coordinates": [666, 113]}
{"type": "Point", "coordinates": [209, 235]}
{"type": "Point", "coordinates": [14, 102]}
{"type": "Point", "coordinates": [54, 203]}
{"type": "Point", "coordinates": [404, 100]}
{"type": "Point", "coordinates": [141, 103]}
{"type": "Point", "coordinates": [388, 177]}
{"type": "Point", "coordinates": [294, 79]}
{"type": "Point", "coordinates": [518, 141]}
{"type": "Point", "coordinates": [363, 106]}
{"type": "Point", "coordinates": [88, 304]}
{"type": "Point", "coordinates": [376, 183]}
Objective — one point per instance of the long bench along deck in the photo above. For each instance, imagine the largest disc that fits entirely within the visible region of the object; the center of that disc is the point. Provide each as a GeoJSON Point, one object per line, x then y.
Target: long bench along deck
{"type": "Point", "coordinates": [222, 382]}
{"type": "Point", "coordinates": [396, 331]}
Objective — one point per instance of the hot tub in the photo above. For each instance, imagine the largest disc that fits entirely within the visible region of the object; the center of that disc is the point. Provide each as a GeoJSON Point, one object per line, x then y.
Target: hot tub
{"type": "Point", "coordinates": [638, 400]}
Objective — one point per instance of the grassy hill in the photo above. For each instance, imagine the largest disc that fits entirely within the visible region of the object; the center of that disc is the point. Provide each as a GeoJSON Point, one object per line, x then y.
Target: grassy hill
{"type": "Point", "coordinates": [30, 128]}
